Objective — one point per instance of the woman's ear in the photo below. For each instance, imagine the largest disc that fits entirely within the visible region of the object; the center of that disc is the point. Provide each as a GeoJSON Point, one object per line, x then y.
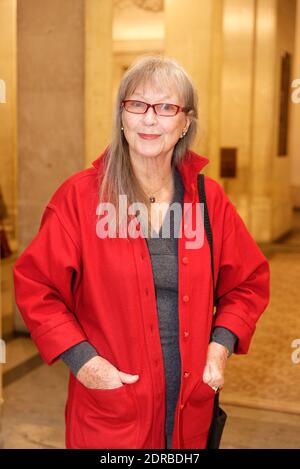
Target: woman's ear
{"type": "Point", "coordinates": [189, 117]}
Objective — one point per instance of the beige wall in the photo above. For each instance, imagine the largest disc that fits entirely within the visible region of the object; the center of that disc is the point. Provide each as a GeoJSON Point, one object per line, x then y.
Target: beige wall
{"type": "Point", "coordinates": [136, 32]}
{"type": "Point", "coordinates": [236, 94]}
{"type": "Point", "coordinates": [98, 67]}
{"type": "Point", "coordinates": [281, 190]}
{"type": "Point", "coordinates": [50, 56]}
{"type": "Point", "coordinates": [8, 109]}
{"type": "Point", "coordinates": [255, 35]}
{"type": "Point", "coordinates": [295, 119]}
{"type": "Point", "coordinates": [188, 39]}
{"type": "Point", "coordinates": [7, 131]}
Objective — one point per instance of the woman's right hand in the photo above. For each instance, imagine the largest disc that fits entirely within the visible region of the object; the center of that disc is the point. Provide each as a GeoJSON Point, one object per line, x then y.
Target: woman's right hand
{"type": "Point", "coordinates": [99, 373]}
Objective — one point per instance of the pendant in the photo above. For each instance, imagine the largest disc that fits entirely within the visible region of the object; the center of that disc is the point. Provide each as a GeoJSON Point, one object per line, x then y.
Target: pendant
{"type": "Point", "coordinates": [152, 199]}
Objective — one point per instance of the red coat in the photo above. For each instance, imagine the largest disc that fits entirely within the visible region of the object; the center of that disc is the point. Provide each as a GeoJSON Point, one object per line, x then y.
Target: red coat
{"type": "Point", "coordinates": [73, 286]}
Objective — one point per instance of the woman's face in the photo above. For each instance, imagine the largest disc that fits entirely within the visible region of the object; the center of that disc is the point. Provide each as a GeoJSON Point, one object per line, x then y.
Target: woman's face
{"type": "Point", "coordinates": [149, 135]}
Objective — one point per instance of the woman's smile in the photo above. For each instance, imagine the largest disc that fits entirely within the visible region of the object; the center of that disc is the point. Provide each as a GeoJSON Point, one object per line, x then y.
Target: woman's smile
{"type": "Point", "coordinates": [148, 136]}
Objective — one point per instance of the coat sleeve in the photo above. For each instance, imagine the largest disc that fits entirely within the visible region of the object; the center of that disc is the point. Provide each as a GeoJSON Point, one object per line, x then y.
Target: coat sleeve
{"type": "Point", "coordinates": [45, 277]}
{"type": "Point", "coordinates": [242, 289]}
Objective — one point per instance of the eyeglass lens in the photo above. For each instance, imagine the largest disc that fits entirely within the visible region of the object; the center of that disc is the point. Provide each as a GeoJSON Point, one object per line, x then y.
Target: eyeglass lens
{"type": "Point", "coordinates": [162, 109]}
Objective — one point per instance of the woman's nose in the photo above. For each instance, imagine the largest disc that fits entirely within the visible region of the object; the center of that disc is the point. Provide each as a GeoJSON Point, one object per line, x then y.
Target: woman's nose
{"type": "Point", "coordinates": [150, 116]}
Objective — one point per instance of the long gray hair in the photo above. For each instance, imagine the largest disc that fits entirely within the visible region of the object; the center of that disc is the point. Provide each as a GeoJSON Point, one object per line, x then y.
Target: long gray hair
{"type": "Point", "coordinates": [118, 176]}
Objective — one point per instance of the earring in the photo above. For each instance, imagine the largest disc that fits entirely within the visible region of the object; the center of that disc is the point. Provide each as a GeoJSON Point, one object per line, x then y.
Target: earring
{"type": "Point", "coordinates": [122, 128]}
{"type": "Point", "coordinates": [183, 134]}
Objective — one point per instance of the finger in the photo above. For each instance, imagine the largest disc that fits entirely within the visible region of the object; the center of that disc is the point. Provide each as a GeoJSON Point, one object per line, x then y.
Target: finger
{"type": "Point", "coordinates": [206, 374]}
{"type": "Point", "coordinates": [127, 378]}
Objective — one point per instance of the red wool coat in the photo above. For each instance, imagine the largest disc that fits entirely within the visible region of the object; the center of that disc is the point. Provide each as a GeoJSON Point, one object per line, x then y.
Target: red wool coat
{"type": "Point", "coordinates": [73, 286]}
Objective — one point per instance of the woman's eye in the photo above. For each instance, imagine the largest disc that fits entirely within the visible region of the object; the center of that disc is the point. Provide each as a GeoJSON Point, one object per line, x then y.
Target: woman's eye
{"type": "Point", "coordinates": [137, 104]}
{"type": "Point", "coordinates": [167, 107]}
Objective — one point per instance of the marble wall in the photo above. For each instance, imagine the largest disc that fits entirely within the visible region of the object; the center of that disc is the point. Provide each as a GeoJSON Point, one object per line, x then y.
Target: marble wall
{"type": "Point", "coordinates": [98, 67]}
{"type": "Point", "coordinates": [190, 37]}
{"type": "Point", "coordinates": [7, 136]}
{"type": "Point", "coordinates": [8, 110]}
{"type": "Point", "coordinates": [295, 118]}
{"type": "Point", "coordinates": [50, 112]}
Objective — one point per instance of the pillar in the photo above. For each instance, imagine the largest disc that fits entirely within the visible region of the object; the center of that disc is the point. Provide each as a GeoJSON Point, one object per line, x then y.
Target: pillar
{"type": "Point", "coordinates": [64, 104]}
{"type": "Point", "coordinates": [271, 204]}
{"type": "Point", "coordinates": [295, 117]}
{"type": "Point", "coordinates": [193, 37]}
{"type": "Point", "coordinates": [7, 145]}
{"type": "Point", "coordinates": [98, 77]}
{"type": "Point", "coordinates": [236, 95]}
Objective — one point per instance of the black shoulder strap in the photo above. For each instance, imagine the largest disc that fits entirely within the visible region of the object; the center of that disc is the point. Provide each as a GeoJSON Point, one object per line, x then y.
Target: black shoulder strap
{"type": "Point", "coordinates": [207, 226]}
{"type": "Point", "coordinates": [208, 231]}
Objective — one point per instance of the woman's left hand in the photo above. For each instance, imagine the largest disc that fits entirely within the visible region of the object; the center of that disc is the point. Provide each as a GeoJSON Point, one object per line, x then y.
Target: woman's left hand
{"type": "Point", "coordinates": [215, 366]}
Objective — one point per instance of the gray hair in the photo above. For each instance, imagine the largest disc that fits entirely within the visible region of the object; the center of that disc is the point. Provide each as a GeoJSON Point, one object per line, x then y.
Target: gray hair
{"type": "Point", "coordinates": [118, 175]}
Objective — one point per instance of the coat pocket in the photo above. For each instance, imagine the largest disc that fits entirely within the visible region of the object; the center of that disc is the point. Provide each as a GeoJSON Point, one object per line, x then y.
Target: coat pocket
{"type": "Point", "coordinates": [197, 415]}
{"type": "Point", "coordinates": [103, 418]}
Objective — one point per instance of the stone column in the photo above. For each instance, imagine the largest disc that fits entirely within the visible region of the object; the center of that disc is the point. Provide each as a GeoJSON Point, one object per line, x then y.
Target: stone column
{"type": "Point", "coordinates": [98, 76]}
{"type": "Point", "coordinates": [64, 63]}
{"type": "Point", "coordinates": [193, 37]}
{"type": "Point", "coordinates": [271, 205]}
{"type": "Point", "coordinates": [236, 95]}
{"type": "Point", "coordinates": [50, 107]}
{"type": "Point", "coordinates": [7, 150]}
{"type": "Point", "coordinates": [8, 111]}
{"type": "Point", "coordinates": [295, 117]}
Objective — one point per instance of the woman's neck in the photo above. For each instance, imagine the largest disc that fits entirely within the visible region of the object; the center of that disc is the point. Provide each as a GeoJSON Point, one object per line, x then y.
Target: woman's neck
{"type": "Point", "coordinates": [155, 174]}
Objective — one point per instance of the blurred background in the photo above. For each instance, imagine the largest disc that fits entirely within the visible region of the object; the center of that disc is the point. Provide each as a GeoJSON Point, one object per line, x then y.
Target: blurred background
{"type": "Point", "coordinates": [60, 65]}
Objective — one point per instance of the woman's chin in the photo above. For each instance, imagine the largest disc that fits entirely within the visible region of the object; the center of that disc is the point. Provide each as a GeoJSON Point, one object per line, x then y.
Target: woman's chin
{"type": "Point", "coordinates": [148, 152]}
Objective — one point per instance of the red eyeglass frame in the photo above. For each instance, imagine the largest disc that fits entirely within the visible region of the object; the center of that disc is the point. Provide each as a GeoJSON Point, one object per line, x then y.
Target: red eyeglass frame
{"type": "Point", "coordinates": [179, 108]}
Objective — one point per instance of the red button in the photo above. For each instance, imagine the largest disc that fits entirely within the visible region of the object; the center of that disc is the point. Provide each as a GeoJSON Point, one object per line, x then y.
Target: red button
{"type": "Point", "coordinates": [185, 260]}
{"type": "Point", "coordinates": [186, 334]}
{"type": "Point", "coordinates": [181, 406]}
{"type": "Point", "coordinates": [185, 298]}
{"type": "Point", "coordinates": [186, 374]}
{"type": "Point", "coordinates": [146, 291]}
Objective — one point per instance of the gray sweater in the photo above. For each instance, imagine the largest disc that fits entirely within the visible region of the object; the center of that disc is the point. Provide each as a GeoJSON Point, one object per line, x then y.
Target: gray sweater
{"type": "Point", "coordinates": [163, 253]}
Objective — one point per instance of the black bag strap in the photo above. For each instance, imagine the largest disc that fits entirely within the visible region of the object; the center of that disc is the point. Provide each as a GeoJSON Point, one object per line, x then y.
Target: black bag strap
{"type": "Point", "coordinates": [209, 235]}
{"type": "Point", "coordinates": [219, 416]}
{"type": "Point", "coordinates": [207, 226]}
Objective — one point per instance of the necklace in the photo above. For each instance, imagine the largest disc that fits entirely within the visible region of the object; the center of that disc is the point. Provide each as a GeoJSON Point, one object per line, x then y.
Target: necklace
{"type": "Point", "coordinates": [151, 197]}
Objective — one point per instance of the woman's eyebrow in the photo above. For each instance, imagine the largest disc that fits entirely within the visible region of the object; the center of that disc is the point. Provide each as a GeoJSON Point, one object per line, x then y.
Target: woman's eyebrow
{"type": "Point", "coordinates": [159, 99]}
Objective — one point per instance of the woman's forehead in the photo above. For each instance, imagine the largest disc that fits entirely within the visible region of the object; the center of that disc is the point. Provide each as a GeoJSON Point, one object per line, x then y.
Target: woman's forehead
{"type": "Point", "coordinates": [155, 90]}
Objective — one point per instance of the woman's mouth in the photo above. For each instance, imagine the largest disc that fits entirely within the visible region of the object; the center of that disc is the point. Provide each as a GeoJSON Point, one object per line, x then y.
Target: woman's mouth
{"type": "Point", "coordinates": [149, 136]}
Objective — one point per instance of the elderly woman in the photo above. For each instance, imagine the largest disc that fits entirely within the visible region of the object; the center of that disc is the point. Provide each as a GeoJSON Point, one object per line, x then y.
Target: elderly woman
{"type": "Point", "coordinates": [127, 307]}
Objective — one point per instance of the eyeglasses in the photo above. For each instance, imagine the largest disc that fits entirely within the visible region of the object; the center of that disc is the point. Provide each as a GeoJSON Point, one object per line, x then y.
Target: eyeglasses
{"type": "Point", "coordinates": [161, 109]}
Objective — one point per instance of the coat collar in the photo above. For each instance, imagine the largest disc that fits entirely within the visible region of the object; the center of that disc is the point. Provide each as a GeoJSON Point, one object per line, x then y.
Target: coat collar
{"type": "Point", "coordinates": [189, 168]}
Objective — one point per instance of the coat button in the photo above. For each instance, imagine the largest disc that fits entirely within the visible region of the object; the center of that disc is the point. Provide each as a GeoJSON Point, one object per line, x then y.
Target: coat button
{"type": "Point", "coordinates": [181, 406]}
{"type": "Point", "coordinates": [185, 298]}
{"type": "Point", "coordinates": [186, 374]}
{"type": "Point", "coordinates": [185, 260]}
{"type": "Point", "coordinates": [147, 291]}
{"type": "Point", "coordinates": [186, 334]}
